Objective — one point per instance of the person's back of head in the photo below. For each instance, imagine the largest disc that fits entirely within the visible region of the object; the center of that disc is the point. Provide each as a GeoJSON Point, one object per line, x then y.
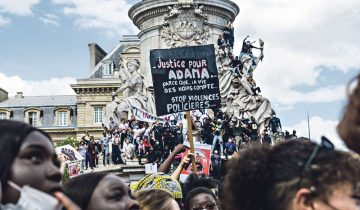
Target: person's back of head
{"type": "Point", "coordinates": [348, 128]}
{"type": "Point", "coordinates": [156, 199]}
{"type": "Point", "coordinates": [272, 178]}
{"type": "Point", "coordinates": [80, 188]}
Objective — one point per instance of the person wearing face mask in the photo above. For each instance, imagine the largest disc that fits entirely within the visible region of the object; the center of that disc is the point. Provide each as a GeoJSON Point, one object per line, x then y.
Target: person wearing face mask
{"type": "Point", "coordinates": [97, 191]}
{"type": "Point", "coordinates": [230, 147]}
{"type": "Point", "coordinates": [29, 169]}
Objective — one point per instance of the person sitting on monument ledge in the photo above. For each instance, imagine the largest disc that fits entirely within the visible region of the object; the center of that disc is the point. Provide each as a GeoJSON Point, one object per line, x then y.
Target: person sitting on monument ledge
{"type": "Point", "coordinates": [229, 34]}
{"type": "Point", "coordinates": [221, 43]}
{"type": "Point", "coordinates": [255, 90]}
{"type": "Point", "coordinates": [236, 65]}
{"type": "Point", "coordinates": [128, 152]}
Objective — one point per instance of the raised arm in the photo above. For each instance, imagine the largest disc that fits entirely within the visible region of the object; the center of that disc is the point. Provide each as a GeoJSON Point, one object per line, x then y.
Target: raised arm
{"type": "Point", "coordinates": [184, 161]}
{"type": "Point", "coordinates": [246, 38]}
{"type": "Point", "coordinates": [165, 166]}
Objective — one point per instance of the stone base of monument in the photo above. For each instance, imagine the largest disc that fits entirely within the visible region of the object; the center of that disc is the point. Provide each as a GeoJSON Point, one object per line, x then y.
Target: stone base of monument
{"type": "Point", "coordinates": [130, 173]}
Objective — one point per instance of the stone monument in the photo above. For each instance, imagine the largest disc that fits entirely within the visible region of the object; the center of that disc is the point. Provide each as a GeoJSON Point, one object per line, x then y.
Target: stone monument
{"type": "Point", "coordinates": [176, 23]}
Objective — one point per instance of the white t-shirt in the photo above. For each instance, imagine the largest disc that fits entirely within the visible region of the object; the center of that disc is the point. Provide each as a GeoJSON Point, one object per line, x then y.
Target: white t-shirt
{"type": "Point", "coordinates": [138, 132]}
{"type": "Point", "coordinates": [123, 127]}
{"type": "Point", "coordinates": [128, 147]}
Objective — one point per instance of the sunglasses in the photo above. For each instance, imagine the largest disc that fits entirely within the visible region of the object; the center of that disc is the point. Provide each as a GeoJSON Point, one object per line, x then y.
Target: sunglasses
{"type": "Point", "coordinates": [325, 144]}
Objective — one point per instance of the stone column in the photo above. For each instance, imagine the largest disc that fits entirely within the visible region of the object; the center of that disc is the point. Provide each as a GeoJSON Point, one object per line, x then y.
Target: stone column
{"type": "Point", "coordinates": [176, 23]}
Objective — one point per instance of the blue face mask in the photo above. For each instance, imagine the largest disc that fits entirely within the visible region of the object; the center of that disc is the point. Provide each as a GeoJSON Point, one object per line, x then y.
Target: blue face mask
{"type": "Point", "coordinates": [32, 199]}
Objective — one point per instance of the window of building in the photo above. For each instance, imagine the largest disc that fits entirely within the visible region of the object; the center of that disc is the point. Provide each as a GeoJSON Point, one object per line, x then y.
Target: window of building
{"type": "Point", "coordinates": [63, 121]}
{"type": "Point", "coordinates": [108, 67]}
{"type": "Point", "coordinates": [98, 115]}
{"type": "Point", "coordinates": [33, 118]}
{"type": "Point", "coordinates": [3, 116]}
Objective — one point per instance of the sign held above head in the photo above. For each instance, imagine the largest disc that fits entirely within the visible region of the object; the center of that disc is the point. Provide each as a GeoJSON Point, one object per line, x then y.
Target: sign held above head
{"type": "Point", "coordinates": [185, 79]}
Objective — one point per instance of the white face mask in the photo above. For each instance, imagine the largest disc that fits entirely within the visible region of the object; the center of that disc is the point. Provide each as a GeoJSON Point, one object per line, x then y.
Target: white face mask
{"type": "Point", "coordinates": [33, 199]}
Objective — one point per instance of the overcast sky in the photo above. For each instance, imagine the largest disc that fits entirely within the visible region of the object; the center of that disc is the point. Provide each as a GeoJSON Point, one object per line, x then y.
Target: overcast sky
{"type": "Point", "coordinates": [312, 50]}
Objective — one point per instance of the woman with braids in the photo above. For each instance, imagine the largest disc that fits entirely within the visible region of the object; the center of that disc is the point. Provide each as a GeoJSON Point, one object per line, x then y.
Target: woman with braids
{"type": "Point", "coordinates": [295, 175]}
{"type": "Point", "coordinates": [349, 126]}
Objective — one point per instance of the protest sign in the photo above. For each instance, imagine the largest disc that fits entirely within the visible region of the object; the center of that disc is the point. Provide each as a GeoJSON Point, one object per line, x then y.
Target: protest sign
{"type": "Point", "coordinates": [73, 170]}
{"type": "Point", "coordinates": [202, 160]}
{"type": "Point", "coordinates": [184, 79]}
{"type": "Point", "coordinates": [69, 153]}
{"type": "Point", "coordinates": [151, 168]}
{"type": "Point", "coordinates": [144, 116]}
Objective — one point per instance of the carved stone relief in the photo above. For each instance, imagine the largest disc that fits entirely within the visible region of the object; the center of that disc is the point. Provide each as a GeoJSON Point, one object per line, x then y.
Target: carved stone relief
{"type": "Point", "coordinates": [185, 26]}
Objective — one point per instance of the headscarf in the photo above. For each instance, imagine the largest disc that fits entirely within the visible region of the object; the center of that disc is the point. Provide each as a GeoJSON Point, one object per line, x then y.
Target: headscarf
{"type": "Point", "coordinates": [159, 181]}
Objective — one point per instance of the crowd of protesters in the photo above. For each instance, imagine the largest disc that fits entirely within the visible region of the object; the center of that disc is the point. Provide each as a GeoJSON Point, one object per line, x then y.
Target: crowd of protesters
{"type": "Point", "coordinates": [292, 175]}
{"type": "Point", "coordinates": [295, 174]}
{"type": "Point", "coordinates": [153, 142]}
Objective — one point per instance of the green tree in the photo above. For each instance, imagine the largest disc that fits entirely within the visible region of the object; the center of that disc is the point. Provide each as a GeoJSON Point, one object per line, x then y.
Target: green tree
{"type": "Point", "coordinates": [66, 176]}
{"type": "Point", "coordinates": [70, 140]}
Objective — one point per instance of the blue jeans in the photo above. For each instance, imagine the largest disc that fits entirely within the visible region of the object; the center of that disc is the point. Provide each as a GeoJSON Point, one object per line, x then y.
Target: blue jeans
{"type": "Point", "coordinates": [106, 155]}
{"type": "Point", "coordinates": [82, 164]}
{"type": "Point", "coordinates": [217, 138]}
{"type": "Point", "coordinates": [87, 160]}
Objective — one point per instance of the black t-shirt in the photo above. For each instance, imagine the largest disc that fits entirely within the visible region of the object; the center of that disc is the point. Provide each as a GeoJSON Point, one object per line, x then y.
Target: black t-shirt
{"type": "Point", "coordinates": [220, 42]}
{"type": "Point", "coordinates": [235, 63]}
{"type": "Point", "coordinates": [153, 156]}
{"type": "Point", "coordinates": [157, 132]}
{"type": "Point", "coordinates": [253, 128]}
{"type": "Point", "coordinates": [247, 48]}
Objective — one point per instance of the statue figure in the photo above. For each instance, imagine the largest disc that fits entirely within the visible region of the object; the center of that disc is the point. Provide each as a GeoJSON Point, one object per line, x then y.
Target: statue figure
{"type": "Point", "coordinates": [238, 91]}
{"type": "Point", "coordinates": [134, 93]}
{"type": "Point", "coordinates": [198, 11]}
{"type": "Point", "coordinates": [174, 10]}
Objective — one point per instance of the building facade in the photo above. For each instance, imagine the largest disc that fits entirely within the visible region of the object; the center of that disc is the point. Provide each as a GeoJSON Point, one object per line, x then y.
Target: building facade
{"type": "Point", "coordinates": [57, 115]}
{"type": "Point", "coordinates": [95, 92]}
{"type": "Point", "coordinates": [71, 116]}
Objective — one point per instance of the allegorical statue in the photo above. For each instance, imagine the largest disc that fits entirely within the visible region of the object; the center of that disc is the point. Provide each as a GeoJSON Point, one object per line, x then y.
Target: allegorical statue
{"type": "Point", "coordinates": [134, 93]}
{"type": "Point", "coordinates": [238, 88]}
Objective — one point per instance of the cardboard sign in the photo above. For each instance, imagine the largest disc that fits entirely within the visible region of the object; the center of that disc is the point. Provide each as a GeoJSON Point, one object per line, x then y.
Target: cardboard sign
{"type": "Point", "coordinates": [202, 160]}
{"type": "Point", "coordinates": [185, 79]}
{"type": "Point", "coordinates": [151, 168]}
{"type": "Point", "coordinates": [69, 152]}
{"type": "Point", "coordinates": [73, 170]}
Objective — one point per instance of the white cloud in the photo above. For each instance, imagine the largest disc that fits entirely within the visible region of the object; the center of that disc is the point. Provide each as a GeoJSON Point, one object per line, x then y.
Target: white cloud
{"type": "Point", "coordinates": [318, 127]}
{"type": "Point", "coordinates": [52, 86]}
{"type": "Point", "coordinates": [299, 37]}
{"type": "Point", "coordinates": [4, 21]}
{"type": "Point", "coordinates": [50, 19]}
{"type": "Point", "coordinates": [18, 7]}
{"type": "Point", "coordinates": [109, 16]}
